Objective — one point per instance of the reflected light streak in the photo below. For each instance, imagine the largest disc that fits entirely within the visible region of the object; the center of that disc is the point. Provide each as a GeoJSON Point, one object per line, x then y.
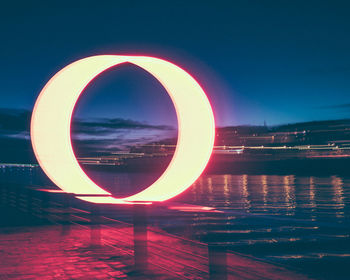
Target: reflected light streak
{"type": "Point", "coordinates": [210, 185]}
{"type": "Point", "coordinates": [337, 184]}
{"type": "Point", "coordinates": [53, 110]}
{"type": "Point", "coordinates": [289, 196]}
{"type": "Point", "coordinates": [226, 189]}
{"type": "Point", "coordinates": [264, 188]}
{"type": "Point", "coordinates": [245, 192]}
{"type": "Point", "coordinates": [313, 199]}
{"type": "Point", "coordinates": [210, 195]}
{"type": "Point", "coordinates": [312, 193]}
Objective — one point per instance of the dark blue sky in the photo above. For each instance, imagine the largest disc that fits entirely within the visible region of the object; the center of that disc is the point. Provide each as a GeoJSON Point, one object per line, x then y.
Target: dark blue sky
{"type": "Point", "coordinates": [279, 61]}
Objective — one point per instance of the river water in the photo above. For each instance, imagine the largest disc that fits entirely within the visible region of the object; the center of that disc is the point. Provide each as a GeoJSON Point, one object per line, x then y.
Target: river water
{"type": "Point", "coordinates": [303, 222]}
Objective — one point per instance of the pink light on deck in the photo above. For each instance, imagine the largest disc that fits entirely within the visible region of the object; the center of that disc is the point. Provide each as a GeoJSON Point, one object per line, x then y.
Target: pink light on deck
{"type": "Point", "coordinates": [51, 120]}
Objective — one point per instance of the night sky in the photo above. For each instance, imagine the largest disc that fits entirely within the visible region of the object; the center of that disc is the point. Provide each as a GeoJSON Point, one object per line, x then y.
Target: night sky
{"type": "Point", "coordinates": [279, 61]}
{"type": "Point", "coordinates": [274, 61]}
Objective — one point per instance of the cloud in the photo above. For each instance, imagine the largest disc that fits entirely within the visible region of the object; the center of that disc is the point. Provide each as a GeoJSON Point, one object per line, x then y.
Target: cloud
{"type": "Point", "coordinates": [339, 109]}
{"type": "Point", "coordinates": [14, 123]}
{"type": "Point", "coordinates": [338, 106]}
{"type": "Point", "coordinates": [107, 126]}
{"type": "Point", "coordinates": [89, 136]}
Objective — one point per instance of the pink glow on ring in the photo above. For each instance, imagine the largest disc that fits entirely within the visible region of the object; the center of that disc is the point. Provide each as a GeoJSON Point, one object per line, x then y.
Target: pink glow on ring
{"type": "Point", "coordinates": [51, 120]}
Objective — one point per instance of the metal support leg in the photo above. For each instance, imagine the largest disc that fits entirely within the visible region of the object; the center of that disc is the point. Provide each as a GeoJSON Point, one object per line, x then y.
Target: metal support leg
{"type": "Point", "coordinates": [140, 236]}
{"type": "Point", "coordinates": [29, 209]}
{"type": "Point", "coordinates": [66, 214]}
{"type": "Point", "coordinates": [44, 207]}
{"type": "Point", "coordinates": [95, 225]}
{"type": "Point", "coordinates": [217, 262]}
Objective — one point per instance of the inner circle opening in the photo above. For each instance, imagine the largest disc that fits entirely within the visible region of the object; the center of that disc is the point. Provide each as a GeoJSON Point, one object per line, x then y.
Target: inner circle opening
{"type": "Point", "coordinates": [124, 130]}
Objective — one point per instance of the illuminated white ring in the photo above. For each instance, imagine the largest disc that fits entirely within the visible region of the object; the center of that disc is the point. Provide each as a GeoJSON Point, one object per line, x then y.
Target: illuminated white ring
{"type": "Point", "coordinates": [51, 120]}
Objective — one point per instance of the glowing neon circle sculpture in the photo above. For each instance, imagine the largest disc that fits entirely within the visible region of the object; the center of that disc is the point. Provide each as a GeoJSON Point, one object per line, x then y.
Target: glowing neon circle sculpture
{"type": "Point", "coordinates": [51, 121]}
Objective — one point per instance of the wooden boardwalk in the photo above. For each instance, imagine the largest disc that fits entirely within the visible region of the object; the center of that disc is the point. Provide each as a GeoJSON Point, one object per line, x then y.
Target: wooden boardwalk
{"type": "Point", "coordinates": [55, 252]}
{"type": "Point", "coordinates": [81, 241]}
